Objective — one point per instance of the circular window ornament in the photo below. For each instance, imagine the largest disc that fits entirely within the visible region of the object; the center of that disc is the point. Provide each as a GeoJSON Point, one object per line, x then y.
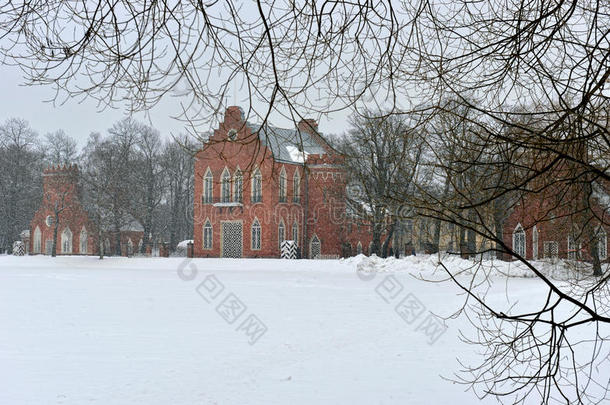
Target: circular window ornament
{"type": "Point", "coordinates": [49, 220]}
{"type": "Point", "coordinates": [232, 134]}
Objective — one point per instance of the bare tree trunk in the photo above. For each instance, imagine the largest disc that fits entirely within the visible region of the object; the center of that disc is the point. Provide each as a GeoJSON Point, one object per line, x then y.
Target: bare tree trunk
{"type": "Point", "coordinates": [397, 236]}
{"type": "Point", "coordinates": [386, 242]}
{"type": "Point", "coordinates": [437, 235]}
{"type": "Point", "coordinates": [594, 249]}
{"type": "Point", "coordinates": [376, 239]}
{"type": "Point", "coordinates": [117, 239]}
{"type": "Point", "coordinates": [589, 230]}
{"type": "Point", "coordinates": [100, 241]}
{"type": "Point", "coordinates": [499, 228]}
{"type": "Point", "coordinates": [55, 226]}
{"type": "Point", "coordinates": [463, 247]}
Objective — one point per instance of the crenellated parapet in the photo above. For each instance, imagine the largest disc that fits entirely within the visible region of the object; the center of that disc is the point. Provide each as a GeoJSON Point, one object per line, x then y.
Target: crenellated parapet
{"type": "Point", "coordinates": [61, 169]}
{"type": "Point", "coordinates": [325, 159]}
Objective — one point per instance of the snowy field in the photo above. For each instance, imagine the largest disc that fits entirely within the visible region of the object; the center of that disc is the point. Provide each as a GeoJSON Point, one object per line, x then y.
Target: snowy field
{"type": "Point", "coordinates": [77, 330]}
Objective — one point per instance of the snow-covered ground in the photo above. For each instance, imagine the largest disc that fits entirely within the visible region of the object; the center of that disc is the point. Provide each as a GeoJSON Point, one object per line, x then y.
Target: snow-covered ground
{"type": "Point", "coordinates": [77, 330]}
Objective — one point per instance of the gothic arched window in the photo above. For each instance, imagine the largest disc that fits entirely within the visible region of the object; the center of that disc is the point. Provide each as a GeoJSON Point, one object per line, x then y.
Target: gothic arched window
{"type": "Point", "coordinates": [257, 186]}
{"type": "Point", "coordinates": [83, 241]}
{"type": "Point", "coordinates": [283, 185]}
{"type": "Point", "coordinates": [37, 240]}
{"type": "Point", "coordinates": [225, 186]}
{"type": "Point", "coordinates": [281, 233]}
{"type": "Point", "coordinates": [66, 241]}
{"type": "Point", "coordinates": [207, 235]}
{"type": "Point", "coordinates": [295, 232]}
{"type": "Point", "coordinates": [255, 230]}
{"type": "Point", "coordinates": [208, 187]}
{"type": "Point", "coordinates": [296, 187]}
{"type": "Point", "coordinates": [238, 186]}
{"type": "Point", "coordinates": [519, 241]}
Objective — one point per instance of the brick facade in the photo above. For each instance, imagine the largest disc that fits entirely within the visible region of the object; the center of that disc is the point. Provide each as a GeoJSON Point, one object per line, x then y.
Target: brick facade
{"type": "Point", "coordinates": [76, 233]}
{"type": "Point", "coordinates": [315, 210]}
{"type": "Point", "coordinates": [548, 220]}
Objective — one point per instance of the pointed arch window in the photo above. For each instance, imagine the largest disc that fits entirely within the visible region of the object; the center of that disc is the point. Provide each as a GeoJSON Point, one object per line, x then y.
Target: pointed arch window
{"type": "Point", "coordinates": [255, 231]}
{"type": "Point", "coordinates": [208, 187]}
{"type": "Point", "coordinates": [602, 244]}
{"type": "Point", "coordinates": [66, 241]}
{"type": "Point", "coordinates": [238, 186]}
{"type": "Point", "coordinates": [281, 233]}
{"type": "Point", "coordinates": [129, 247]}
{"type": "Point", "coordinates": [37, 240]}
{"type": "Point", "coordinates": [207, 235]}
{"type": "Point", "coordinates": [257, 186]}
{"type": "Point", "coordinates": [107, 246]}
{"type": "Point", "coordinates": [295, 232]}
{"type": "Point", "coordinates": [359, 248]}
{"type": "Point", "coordinates": [519, 241]}
{"type": "Point", "coordinates": [225, 186]}
{"type": "Point", "coordinates": [283, 185]}
{"type": "Point", "coordinates": [83, 241]}
{"type": "Point", "coordinates": [535, 243]}
{"type": "Point", "coordinates": [296, 187]}
{"type": "Point", "coordinates": [574, 247]}
{"type": "Point", "coordinates": [315, 247]}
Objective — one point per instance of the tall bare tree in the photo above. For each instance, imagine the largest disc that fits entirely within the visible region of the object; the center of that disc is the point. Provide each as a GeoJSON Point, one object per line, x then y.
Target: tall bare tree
{"type": "Point", "coordinates": [381, 161]}
{"type": "Point", "coordinates": [20, 182]}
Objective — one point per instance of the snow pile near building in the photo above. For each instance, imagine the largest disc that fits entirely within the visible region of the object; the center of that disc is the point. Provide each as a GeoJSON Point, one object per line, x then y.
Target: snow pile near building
{"type": "Point", "coordinates": [431, 267]}
{"type": "Point", "coordinates": [182, 247]}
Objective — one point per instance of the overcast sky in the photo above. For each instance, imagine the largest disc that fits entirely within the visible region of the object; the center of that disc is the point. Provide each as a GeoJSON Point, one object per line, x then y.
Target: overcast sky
{"type": "Point", "coordinates": [78, 119]}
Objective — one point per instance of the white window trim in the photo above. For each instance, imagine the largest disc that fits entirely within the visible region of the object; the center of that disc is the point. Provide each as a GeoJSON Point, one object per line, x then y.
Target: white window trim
{"type": "Point", "coordinates": [295, 225]}
{"type": "Point", "coordinates": [83, 232]}
{"type": "Point", "coordinates": [69, 235]}
{"type": "Point", "coordinates": [296, 186]}
{"type": "Point", "coordinates": [260, 235]}
{"type": "Point", "coordinates": [602, 240]}
{"type": "Point", "coordinates": [205, 225]}
{"type": "Point", "coordinates": [574, 248]}
{"type": "Point", "coordinates": [37, 240]}
{"type": "Point", "coordinates": [225, 178]}
{"type": "Point", "coordinates": [535, 243]}
{"type": "Point", "coordinates": [281, 225]}
{"type": "Point", "coordinates": [208, 178]}
{"type": "Point", "coordinates": [256, 174]}
{"type": "Point", "coordinates": [283, 186]}
{"type": "Point", "coordinates": [238, 175]}
{"type": "Point", "coordinates": [518, 230]}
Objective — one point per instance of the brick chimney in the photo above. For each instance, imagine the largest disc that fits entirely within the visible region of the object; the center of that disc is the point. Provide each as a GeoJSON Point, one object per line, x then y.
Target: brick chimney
{"type": "Point", "coordinates": [308, 125]}
{"type": "Point", "coordinates": [234, 114]}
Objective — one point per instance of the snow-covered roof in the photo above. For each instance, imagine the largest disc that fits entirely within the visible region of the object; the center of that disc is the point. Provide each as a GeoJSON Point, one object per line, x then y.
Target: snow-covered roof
{"type": "Point", "coordinates": [183, 244]}
{"type": "Point", "coordinates": [129, 224]}
{"type": "Point", "coordinates": [288, 145]}
{"type": "Point", "coordinates": [132, 225]}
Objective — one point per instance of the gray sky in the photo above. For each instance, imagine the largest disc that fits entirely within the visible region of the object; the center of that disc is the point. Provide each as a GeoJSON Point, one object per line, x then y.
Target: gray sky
{"type": "Point", "coordinates": [77, 119]}
{"type": "Point", "coordinates": [80, 119]}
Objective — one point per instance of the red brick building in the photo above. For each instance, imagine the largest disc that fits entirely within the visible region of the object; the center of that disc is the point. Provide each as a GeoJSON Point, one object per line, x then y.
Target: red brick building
{"type": "Point", "coordinates": [256, 186]}
{"type": "Point", "coordinates": [551, 225]}
{"type": "Point", "coordinates": [76, 233]}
